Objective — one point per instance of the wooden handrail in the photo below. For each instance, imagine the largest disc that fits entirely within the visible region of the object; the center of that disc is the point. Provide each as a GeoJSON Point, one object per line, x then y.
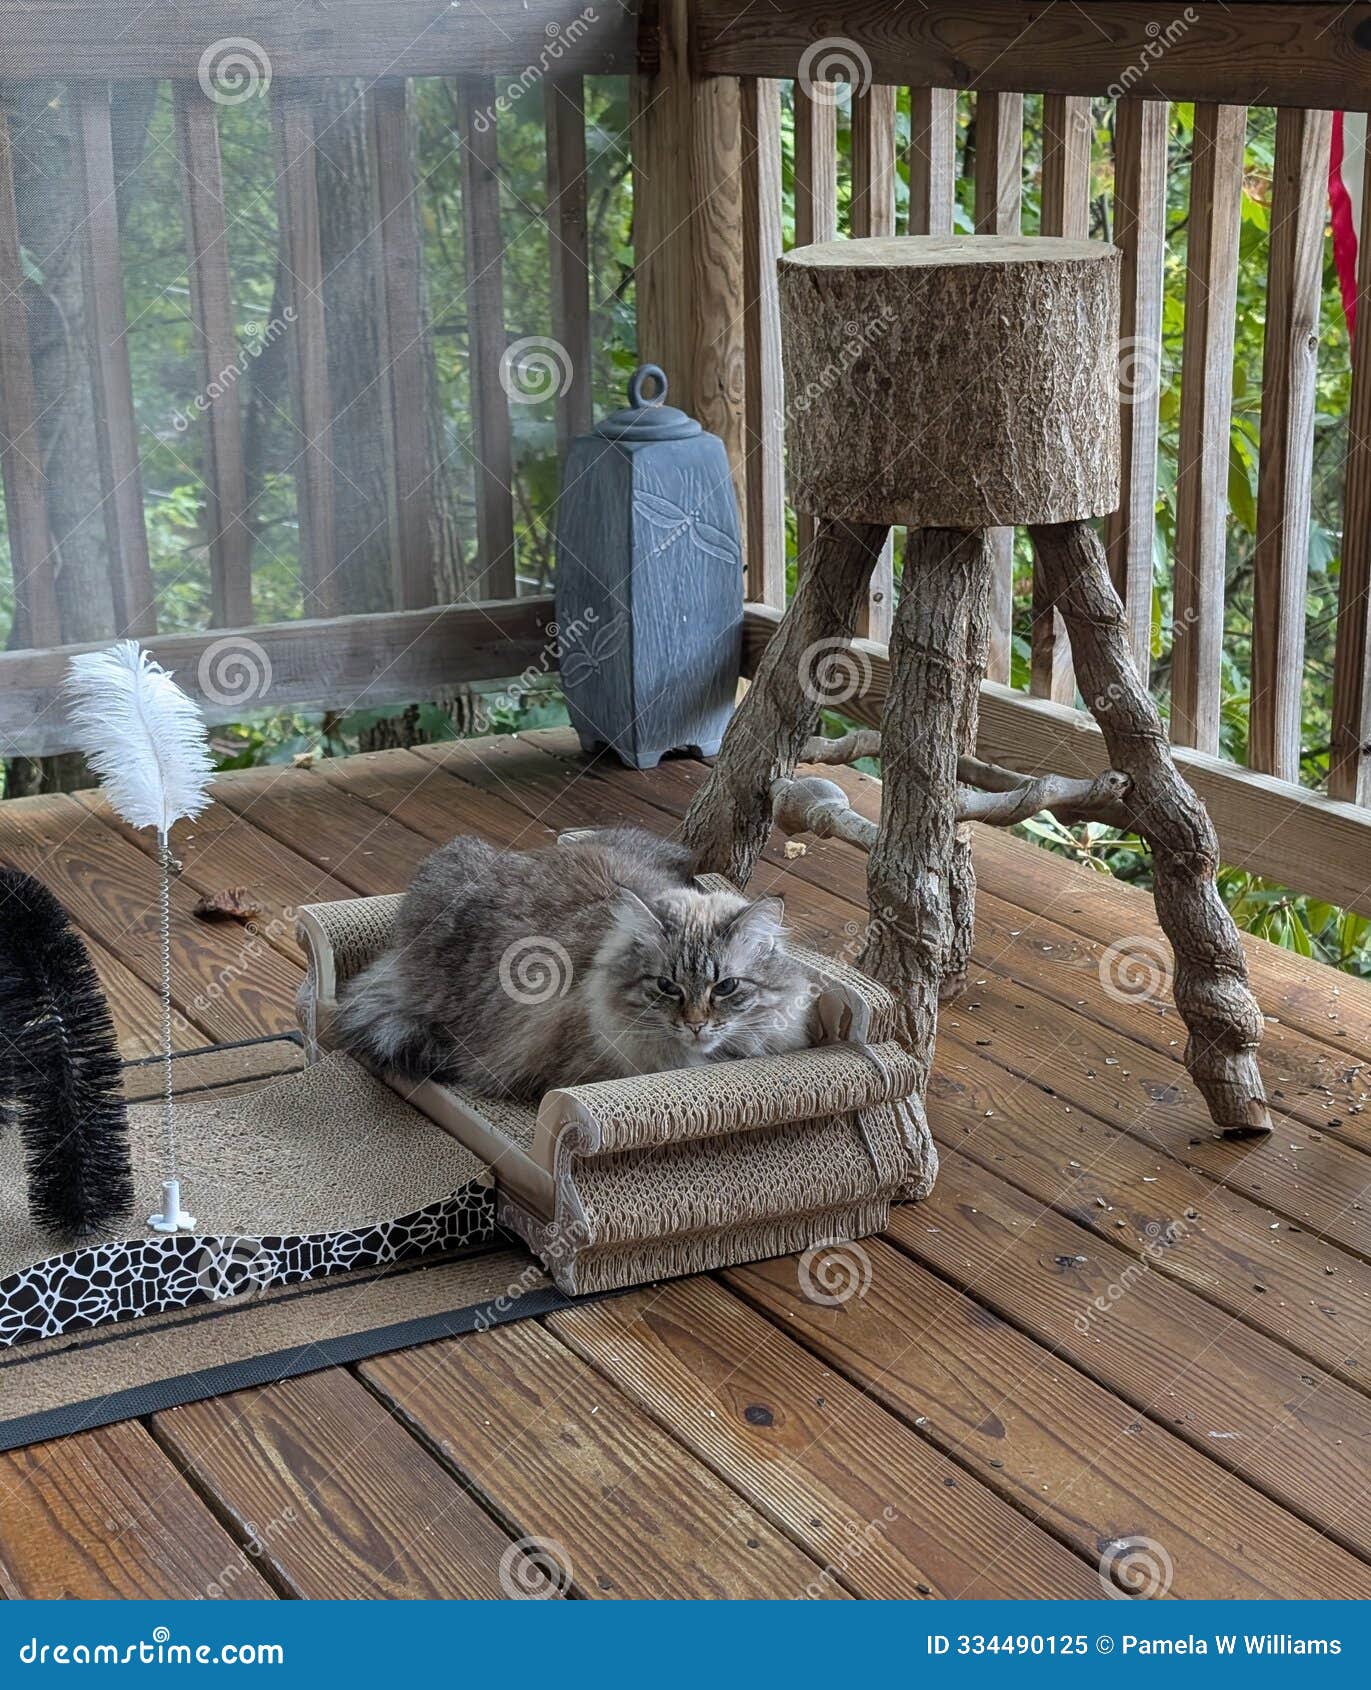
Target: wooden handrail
{"type": "Point", "coordinates": [92, 39]}
{"type": "Point", "coordinates": [1244, 52]}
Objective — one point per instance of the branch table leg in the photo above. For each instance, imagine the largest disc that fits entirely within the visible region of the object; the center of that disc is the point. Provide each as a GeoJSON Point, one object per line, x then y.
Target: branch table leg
{"type": "Point", "coordinates": [909, 941]}
{"type": "Point", "coordinates": [961, 871]}
{"type": "Point", "coordinates": [808, 664]}
{"type": "Point", "coordinates": [1212, 994]}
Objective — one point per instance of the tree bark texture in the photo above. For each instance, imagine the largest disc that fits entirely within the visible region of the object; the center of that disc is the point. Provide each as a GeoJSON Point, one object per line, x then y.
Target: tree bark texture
{"type": "Point", "coordinates": [961, 879]}
{"type": "Point", "coordinates": [350, 250]}
{"type": "Point", "coordinates": [910, 937]}
{"type": "Point", "coordinates": [952, 381]}
{"type": "Point", "coordinates": [1211, 990]}
{"type": "Point", "coordinates": [808, 666]}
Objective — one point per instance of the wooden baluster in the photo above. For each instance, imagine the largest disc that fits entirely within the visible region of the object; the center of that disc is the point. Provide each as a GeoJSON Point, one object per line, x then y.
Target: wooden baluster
{"type": "Point", "coordinates": [298, 201]}
{"type": "Point", "coordinates": [1289, 368]}
{"type": "Point", "coordinates": [32, 560]}
{"type": "Point", "coordinates": [1206, 406]}
{"type": "Point", "coordinates": [1068, 128]}
{"type": "Point", "coordinates": [116, 426]}
{"type": "Point", "coordinates": [816, 201]}
{"type": "Point", "coordinates": [688, 233]}
{"type": "Point", "coordinates": [999, 199]}
{"type": "Point", "coordinates": [211, 300]}
{"type": "Point", "coordinates": [873, 213]}
{"type": "Point", "coordinates": [932, 160]}
{"type": "Point", "coordinates": [1349, 762]}
{"type": "Point", "coordinates": [1140, 137]}
{"type": "Point", "coordinates": [569, 249]}
{"type": "Point", "coordinates": [402, 270]}
{"type": "Point", "coordinates": [486, 336]}
{"type": "Point", "coordinates": [764, 398]}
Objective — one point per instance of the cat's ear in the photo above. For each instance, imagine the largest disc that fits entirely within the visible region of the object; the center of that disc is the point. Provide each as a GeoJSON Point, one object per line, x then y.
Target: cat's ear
{"type": "Point", "coordinates": [634, 919]}
{"type": "Point", "coordinates": [760, 923]}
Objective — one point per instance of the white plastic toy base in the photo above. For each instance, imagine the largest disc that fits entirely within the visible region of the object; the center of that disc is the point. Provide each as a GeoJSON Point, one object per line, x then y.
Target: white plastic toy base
{"type": "Point", "coordinates": [173, 1217]}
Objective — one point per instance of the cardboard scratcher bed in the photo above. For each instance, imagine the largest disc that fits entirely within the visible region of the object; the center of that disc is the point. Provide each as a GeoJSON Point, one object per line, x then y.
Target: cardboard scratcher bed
{"type": "Point", "coordinates": [625, 1181]}
{"type": "Point", "coordinates": [318, 1172]}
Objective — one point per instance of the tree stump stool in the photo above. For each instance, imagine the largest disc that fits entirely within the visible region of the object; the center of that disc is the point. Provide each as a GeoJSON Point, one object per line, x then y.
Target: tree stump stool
{"type": "Point", "coordinates": [957, 385]}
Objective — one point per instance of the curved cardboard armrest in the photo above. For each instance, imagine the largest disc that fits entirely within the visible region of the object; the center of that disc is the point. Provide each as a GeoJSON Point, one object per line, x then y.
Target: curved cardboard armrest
{"type": "Point", "coordinates": [647, 1110]}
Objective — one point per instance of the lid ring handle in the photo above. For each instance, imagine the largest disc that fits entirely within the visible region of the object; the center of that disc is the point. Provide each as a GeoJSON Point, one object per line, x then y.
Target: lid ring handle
{"type": "Point", "coordinates": [643, 374]}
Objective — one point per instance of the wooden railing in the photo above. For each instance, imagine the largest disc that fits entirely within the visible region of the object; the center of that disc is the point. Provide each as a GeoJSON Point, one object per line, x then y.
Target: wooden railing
{"type": "Point", "coordinates": [1302, 58]}
{"type": "Point", "coordinates": [707, 144]}
{"type": "Point", "coordinates": [324, 659]}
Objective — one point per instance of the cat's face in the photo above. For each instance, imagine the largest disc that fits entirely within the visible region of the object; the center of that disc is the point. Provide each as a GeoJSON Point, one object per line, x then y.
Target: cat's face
{"type": "Point", "coordinates": [695, 967]}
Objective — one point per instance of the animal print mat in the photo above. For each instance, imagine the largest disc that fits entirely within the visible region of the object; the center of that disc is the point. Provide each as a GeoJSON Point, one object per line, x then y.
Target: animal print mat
{"type": "Point", "coordinates": [56, 1386]}
{"type": "Point", "coordinates": [296, 1175]}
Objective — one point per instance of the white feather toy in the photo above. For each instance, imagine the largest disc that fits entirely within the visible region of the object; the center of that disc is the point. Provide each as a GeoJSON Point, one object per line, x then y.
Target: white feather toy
{"type": "Point", "coordinates": [146, 741]}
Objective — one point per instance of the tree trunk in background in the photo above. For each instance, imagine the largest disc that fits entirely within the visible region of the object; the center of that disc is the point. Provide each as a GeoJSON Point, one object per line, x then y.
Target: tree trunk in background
{"type": "Point", "coordinates": [351, 251]}
{"type": "Point", "coordinates": [48, 198]}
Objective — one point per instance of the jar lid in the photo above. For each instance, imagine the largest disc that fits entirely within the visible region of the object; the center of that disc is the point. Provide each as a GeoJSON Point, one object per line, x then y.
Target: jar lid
{"type": "Point", "coordinates": [648, 419]}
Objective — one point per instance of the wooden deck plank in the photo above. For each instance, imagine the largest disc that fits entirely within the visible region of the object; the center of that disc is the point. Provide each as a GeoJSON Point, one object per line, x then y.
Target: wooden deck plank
{"type": "Point", "coordinates": [1129, 989]}
{"type": "Point", "coordinates": [105, 1514]}
{"type": "Point", "coordinates": [1306, 1177]}
{"type": "Point", "coordinates": [135, 1008]}
{"type": "Point", "coordinates": [1317, 1000]}
{"type": "Point", "coordinates": [1276, 1277]}
{"type": "Point", "coordinates": [1243, 1400]}
{"type": "Point", "coordinates": [366, 852]}
{"type": "Point", "coordinates": [568, 1460]}
{"type": "Point", "coordinates": [886, 1515]}
{"type": "Point", "coordinates": [335, 1497]}
{"type": "Point", "coordinates": [1073, 1456]}
{"type": "Point", "coordinates": [230, 984]}
{"type": "Point", "coordinates": [419, 794]}
{"type": "Point", "coordinates": [222, 849]}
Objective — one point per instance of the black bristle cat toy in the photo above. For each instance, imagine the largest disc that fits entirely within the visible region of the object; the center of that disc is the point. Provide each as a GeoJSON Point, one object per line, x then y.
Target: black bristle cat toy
{"type": "Point", "coordinates": [59, 1066]}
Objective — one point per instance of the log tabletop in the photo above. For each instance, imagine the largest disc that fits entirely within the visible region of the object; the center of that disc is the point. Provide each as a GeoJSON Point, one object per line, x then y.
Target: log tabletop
{"type": "Point", "coordinates": [1107, 1327]}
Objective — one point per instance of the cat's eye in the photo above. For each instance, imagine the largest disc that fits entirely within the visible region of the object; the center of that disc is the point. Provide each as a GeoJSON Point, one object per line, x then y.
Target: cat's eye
{"type": "Point", "coordinates": [668, 988]}
{"type": "Point", "coordinates": [725, 988]}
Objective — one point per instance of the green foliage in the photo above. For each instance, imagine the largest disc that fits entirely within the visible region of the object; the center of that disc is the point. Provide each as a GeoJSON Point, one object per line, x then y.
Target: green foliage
{"type": "Point", "coordinates": [167, 377]}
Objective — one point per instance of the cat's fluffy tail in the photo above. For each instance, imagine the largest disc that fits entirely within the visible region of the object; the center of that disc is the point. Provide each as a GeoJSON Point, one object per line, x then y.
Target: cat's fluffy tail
{"type": "Point", "coordinates": [375, 1025]}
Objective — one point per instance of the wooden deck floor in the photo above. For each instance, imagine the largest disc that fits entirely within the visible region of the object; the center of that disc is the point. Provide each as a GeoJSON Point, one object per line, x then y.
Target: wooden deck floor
{"type": "Point", "coordinates": [1030, 1377]}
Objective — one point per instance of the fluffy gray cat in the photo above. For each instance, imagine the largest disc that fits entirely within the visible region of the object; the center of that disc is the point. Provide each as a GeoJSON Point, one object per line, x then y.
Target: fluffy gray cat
{"type": "Point", "coordinates": [515, 971]}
